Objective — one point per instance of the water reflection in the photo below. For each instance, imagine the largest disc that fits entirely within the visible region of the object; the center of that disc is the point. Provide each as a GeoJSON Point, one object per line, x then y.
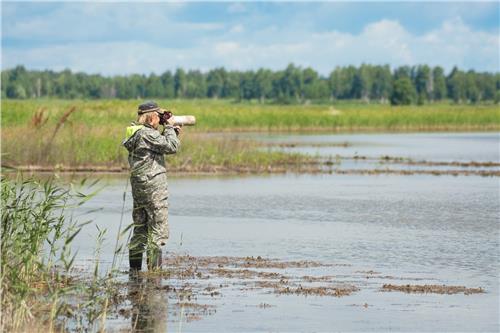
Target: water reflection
{"type": "Point", "coordinates": [149, 305]}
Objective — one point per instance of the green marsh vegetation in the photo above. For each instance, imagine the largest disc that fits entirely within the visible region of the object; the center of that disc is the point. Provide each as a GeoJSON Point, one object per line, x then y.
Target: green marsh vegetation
{"type": "Point", "coordinates": [40, 287]}
{"type": "Point", "coordinates": [76, 133]}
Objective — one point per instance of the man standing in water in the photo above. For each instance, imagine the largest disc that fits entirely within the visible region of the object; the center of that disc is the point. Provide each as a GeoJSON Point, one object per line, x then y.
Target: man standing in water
{"type": "Point", "coordinates": [148, 177]}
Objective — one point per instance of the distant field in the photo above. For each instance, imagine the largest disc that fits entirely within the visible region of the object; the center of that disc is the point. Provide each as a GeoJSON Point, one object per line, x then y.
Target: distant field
{"type": "Point", "coordinates": [216, 115]}
{"type": "Point", "coordinates": [35, 132]}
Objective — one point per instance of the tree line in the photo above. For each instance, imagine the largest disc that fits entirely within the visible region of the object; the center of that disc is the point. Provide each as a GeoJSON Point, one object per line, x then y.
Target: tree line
{"type": "Point", "coordinates": [372, 83]}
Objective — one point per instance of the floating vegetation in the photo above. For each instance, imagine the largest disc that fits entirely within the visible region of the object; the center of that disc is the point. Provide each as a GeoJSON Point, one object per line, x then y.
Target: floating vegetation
{"type": "Point", "coordinates": [370, 272]}
{"type": "Point", "coordinates": [335, 291]}
{"type": "Point", "coordinates": [309, 144]}
{"type": "Point", "coordinates": [365, 305]}
{"type": "Point", "coordinates": [482, 173]}
{"type": "Point", "coordinates": [246, 262]}
{"type": "Point", "coordinates": [435, 289]}
{"type": "Point", "coordinates": [409, 161]}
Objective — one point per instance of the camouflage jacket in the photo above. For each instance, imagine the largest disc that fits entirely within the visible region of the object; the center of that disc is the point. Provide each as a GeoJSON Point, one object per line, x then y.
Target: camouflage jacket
{"type": "Point", "coordinates": [147, 147]}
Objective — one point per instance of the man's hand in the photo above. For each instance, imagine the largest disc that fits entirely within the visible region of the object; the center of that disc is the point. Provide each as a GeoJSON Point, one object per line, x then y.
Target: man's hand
{"type": "Point", "coordinates": [170, 121]}
{"type": "Point", "coordinates": [178, 130]}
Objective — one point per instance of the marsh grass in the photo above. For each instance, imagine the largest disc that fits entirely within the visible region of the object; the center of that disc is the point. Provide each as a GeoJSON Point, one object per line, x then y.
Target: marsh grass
{"type": "Point", "coordinates": [225, 115]}
{"type": "Point", "coordinates": [89, 133]}
{"type": "Point", "coordinates": [77, 145]}
{"type": "Point", "coordinates": [39, 288]}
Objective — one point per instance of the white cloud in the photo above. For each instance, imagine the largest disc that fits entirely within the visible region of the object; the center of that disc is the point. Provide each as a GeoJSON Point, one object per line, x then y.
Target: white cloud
{"type": "Point", "coordinates": [226, 48]}
{"type": "Point", "coordinates": [236, 29]}
{"type": "Point", "coordinates": [236, 7]}
{"type": "Point", "coordinates": [97, 21]}
{"type": "Point", "coordinates": [381, 42]}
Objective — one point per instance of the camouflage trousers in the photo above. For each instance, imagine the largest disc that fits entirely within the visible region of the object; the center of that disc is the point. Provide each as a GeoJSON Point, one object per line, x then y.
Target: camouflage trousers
{"type": "Point", "coordinates": [150, 216]}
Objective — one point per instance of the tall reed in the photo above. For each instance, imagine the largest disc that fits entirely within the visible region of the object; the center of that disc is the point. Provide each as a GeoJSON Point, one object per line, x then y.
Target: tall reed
{"type": "Point", "coordinates": [37, 280]}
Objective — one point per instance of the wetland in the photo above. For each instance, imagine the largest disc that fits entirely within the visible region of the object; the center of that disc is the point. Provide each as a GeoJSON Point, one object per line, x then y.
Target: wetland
{"type": "Point", "coordinates": [312, 229]}
{"type": "Point", "coordinates": [317, 251]}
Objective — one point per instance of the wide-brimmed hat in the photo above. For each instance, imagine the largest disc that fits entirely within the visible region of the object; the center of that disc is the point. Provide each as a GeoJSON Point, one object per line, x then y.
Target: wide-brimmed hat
{"type": "Point", "coordinates": [149, 106]}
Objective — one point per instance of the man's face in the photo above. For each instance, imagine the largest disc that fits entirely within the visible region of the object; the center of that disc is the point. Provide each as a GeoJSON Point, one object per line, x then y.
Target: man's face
{"type": "Point", "coordinates": [155, 121]}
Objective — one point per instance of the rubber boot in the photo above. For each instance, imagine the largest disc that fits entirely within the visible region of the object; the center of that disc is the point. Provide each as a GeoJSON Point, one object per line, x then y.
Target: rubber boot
{"type": "Point", "coordinates": [135, 261]}
{"type": "Point", "coordinates": [154, 259]}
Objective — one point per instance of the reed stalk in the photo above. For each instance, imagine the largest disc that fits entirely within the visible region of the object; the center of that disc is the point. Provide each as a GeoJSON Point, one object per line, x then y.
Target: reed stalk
{"type": "Point", "coordinates": [38, 287]}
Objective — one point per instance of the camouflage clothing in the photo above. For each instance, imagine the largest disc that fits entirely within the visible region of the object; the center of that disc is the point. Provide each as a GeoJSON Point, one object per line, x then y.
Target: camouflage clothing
{"type": "Point", "coordinates": [148, 177]}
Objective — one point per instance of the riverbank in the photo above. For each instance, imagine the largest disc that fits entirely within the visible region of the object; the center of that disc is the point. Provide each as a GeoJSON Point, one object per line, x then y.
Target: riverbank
{"type": "Point", "coordinates": [77, 135]}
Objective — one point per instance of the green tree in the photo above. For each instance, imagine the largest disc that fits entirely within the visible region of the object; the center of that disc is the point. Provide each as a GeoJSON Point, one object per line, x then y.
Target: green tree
{"type": "Point", "coordinates": [423, 83]}
{"type": "Point", "coordinates": [472, 93]}
{"type": "Point", "coordinates": [402, 72]}
{"type": "Point", "coordinates": [487, 86]}
{"type": "Point", "coordinates": [263, 84]}
{"type": "Point", "coordinates": [167, 81]}
{"type": "Point", "coordinates": [403, 92]}
{"type": "Point", "coordinates": [138, 86]}
{"type": "Point", "coordinates": [153, 86]}
{"type": "Point", "coordinates": [180, 83]}
{"type": "Point", "coordinates": [124, 87]}
{"type": "Point", "coordinates": [456, 85]}
{"type": "Point", "coordinates": [195, 85]}
{"type": "Point", "coordinates": [439, 91]}
{"type": "Point", "coordinates": [246, 85]}
{"type": "Point", "coordinates": [310, 83]}
{"type": "Point", "coordinates": [334, 83]}
{"type": "Point", "coordinates": [215, 82]}
{"type": "Point", "coordinates": [5, 82]}
{"type": "Point", "coordinates": [382, 83]}
{"type": "Point", "coordinates": [341, 82]}
{"type": "Point", "coordinates": [16, 91]}
{"type": "Point", "coordinates": [291, 83]}
{"type": "Point", "coordinates": [231, 87]}
{"type": "Point", "coordinates": [362, 83]}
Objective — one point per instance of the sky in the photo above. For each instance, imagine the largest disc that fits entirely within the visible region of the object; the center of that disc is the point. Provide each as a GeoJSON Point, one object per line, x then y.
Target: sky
{"type": "Point", "coordinates": [119, 38]}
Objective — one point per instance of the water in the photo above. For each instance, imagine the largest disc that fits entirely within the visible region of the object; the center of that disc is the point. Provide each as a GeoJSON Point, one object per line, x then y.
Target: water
{"type": "Point", "coordinates": [465, 147]}
{"type": "Point", "coordinates": [417, 229]}
{"type": "Point", "coordinates": [369, 151]}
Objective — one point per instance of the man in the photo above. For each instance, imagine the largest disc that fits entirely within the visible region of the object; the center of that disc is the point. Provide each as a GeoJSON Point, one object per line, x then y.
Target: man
{"type": "Point", "coordinates": [147, 146]}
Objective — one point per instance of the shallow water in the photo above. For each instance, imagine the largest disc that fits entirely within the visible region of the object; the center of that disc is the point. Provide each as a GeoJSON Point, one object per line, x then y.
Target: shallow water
{"type": "Point", "coordinates": [415, 229]}
{"type": "Point", "coordinates": [478, 147]}
{"type": "Point", "coordinates": [371, 151]}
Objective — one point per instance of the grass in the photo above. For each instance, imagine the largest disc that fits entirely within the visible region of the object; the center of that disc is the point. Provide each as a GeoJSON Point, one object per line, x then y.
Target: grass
{"type": "Point", "coordinates": [77, 146]}
{"type": "Point", "coordinates": [38, 283]}
{"type": "Point", "coordinates": [223, 115]}
{"type": "Point", "coordinates": [72, 133]}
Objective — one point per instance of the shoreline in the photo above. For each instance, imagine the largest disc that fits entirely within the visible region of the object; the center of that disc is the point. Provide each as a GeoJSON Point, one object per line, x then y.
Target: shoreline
{"type": "Point", "coordinates": [355, 129]}
{"type": "Point", "coordinates": [268, 170]}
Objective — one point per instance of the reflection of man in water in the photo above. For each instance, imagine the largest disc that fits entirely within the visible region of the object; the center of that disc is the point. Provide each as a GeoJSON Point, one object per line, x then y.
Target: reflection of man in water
{"type": "Point", "coordinates": [149, 305]}
{"type": "Point", "coordinates": [148, 176]}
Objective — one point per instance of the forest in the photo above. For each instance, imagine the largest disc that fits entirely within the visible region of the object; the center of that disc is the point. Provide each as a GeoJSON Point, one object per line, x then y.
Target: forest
{"type": "Point", "coordinates": [403, 85]}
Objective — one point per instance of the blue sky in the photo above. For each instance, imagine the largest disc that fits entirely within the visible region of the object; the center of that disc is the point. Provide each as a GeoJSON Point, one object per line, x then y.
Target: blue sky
{"type": "Point", "coordinates": [121, 38]}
